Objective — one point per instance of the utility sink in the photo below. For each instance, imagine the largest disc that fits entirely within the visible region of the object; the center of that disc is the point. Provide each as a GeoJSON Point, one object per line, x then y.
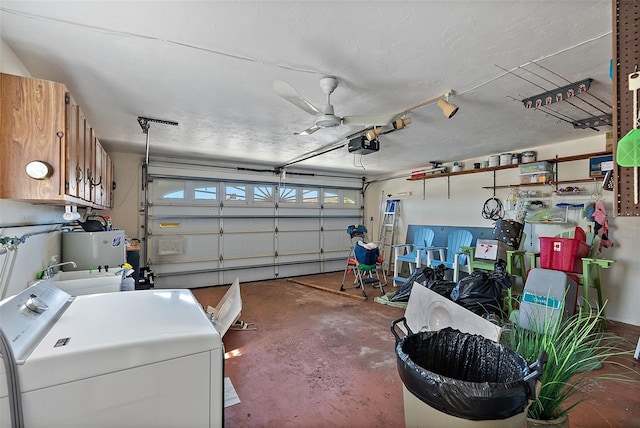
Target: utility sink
{"type": "Point", "coordinates": [82, 282]}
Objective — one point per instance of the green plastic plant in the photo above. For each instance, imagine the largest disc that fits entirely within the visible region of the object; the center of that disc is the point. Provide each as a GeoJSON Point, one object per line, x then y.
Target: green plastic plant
{"type": "Point", "coordinates": [575, 347]}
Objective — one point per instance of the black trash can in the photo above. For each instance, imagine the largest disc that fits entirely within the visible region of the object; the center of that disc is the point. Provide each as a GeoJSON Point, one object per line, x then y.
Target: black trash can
{"type": "Point", "coordinates": [459, 379]}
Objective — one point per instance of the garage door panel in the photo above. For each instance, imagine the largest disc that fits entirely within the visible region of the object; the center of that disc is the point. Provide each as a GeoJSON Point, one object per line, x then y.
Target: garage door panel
{"type": "Point", "coordinates": [182, 210]}
{"type": "Point", "coordinates": [247, 245]}
{"type": "Point", "coordinates": [336, 240]}
{"type": "Point", "coordinates": [249, 225]}
{"type": "Point", "coordinates": [163, 267]}
{"type": "Point", "coordinates": [289, 242]}
{"type": "Point", "coordinates": [181, 247]}
{"type": "Point", "coordinates": [184, 225]}
{"type": "Point", "coordinates": [299, 223]}
{"type": "Point", "coordinates": [301, 258]}
{"type": "Point", "coordinates": [241, 210]}
{"type": "Point", "coordinates": [285, 210]}
{"type": "Point", "coordinates": [256, 210]}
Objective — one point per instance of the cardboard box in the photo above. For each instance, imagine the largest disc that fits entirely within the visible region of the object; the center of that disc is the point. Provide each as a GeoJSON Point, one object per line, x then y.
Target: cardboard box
{"type": "Point", "coordinates": [595, 165]}
{"type": "Point", "coordinates": [491, 249]}
{"type": "Point", "coordinates": [609, 141]}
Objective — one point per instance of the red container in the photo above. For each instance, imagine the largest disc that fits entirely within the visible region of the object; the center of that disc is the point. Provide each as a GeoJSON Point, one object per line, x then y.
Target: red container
{"type": "Point", "coordinates": [563, 254]}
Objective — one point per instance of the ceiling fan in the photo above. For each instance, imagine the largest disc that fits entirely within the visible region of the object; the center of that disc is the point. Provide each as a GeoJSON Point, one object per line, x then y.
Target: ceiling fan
{"type": "Point", "coordinates": [325, 117]}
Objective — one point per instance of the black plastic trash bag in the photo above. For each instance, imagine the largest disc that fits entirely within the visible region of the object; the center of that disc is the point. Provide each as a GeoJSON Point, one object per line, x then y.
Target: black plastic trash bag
{"type": "Point", "coordinates": [443, 287]}
{"type": "Point", "coordinates": [482, 292]}
{"type": "Point", "coordinates": [425, 276]}
{"type": "Point", "coordinates": [465, 375]}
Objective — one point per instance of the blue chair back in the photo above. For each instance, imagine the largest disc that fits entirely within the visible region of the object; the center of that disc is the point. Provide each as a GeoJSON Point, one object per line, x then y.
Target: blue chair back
{"type": "Point", "coordinates": [423, 238]}
{"type": "Point", "coordinates": [455, 241]}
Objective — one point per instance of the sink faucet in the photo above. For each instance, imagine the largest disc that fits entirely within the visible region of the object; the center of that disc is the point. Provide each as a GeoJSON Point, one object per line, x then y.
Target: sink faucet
{"type": "Point", "coordinates": [48, 272]}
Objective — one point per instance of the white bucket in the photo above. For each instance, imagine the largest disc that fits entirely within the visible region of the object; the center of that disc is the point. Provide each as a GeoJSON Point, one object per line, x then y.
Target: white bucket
{"type": "Point", "coordinates": [505, 159]}
{"type": "Point", "coordinates": [528, 157]}
{"type": "Point", "coordinates": [494, 160]}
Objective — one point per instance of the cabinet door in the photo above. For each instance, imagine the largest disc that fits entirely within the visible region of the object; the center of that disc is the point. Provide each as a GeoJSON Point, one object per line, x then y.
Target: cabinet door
{"type": "Point", "coordinates": [81, 148]}
{"type": "Point", "coordinates": [73, 138]}
{"type": "Point", "coordinates": [98, 179]}
{"type": "Point", "coordinates": [109, 183]}
{"type": "Point", "coordinates": [89, 161]}
{"type": "Point", "coordinates": [32, 127]}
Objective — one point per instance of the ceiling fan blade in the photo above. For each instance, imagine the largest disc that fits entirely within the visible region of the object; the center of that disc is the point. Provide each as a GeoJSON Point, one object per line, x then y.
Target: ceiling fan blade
{"type": "Point", "coordinates": [308, 131]}
{"type": "Point", "coordinates": [287, 92]}
{"type": "Point", "coordinates": [370, 120]}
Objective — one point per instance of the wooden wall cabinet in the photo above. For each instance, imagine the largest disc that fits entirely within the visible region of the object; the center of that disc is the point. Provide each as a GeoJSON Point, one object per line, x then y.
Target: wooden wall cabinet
{"type": "Point", "coordinates": [40, 120]}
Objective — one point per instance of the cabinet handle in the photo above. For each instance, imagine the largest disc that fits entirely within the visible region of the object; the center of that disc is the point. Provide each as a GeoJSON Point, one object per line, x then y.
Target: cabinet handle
{"type": "Point", "coordinates": [78, 174]}
{"type": "Point", "coordinates": [93, 183]}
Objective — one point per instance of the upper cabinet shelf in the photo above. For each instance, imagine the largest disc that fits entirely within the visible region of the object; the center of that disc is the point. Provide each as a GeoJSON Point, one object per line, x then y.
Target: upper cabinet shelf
{"type": "Point", "coordinates": [496, 168]}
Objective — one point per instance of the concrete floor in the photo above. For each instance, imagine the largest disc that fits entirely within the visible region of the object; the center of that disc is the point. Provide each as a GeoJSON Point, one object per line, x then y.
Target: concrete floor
{"type": "Point", "coordinates": [318, 359]}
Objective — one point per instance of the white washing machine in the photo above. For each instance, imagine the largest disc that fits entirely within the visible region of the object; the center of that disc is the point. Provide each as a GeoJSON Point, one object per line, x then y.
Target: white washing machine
{"type": "Point", "coordinates": [147, 358]}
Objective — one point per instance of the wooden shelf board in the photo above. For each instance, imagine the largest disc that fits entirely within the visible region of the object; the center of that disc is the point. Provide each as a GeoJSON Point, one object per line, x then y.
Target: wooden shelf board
{"type": "Point", "coordinates": [496, 168]}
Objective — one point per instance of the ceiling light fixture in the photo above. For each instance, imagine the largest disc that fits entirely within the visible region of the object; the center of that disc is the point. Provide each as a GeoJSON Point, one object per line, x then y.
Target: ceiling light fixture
{"type": "Point", "coordinates": [401, 123]}
{"type": "Point", "coordinates": [447, 108]}
{"type": "Point", "coordinates": [372, 134]}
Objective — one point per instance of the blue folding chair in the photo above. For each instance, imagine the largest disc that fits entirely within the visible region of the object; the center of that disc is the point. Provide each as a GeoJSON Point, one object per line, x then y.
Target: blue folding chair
{"type": "Point", "coordinates": [452, 256]}
{"type": "Point", "coordinates": [415, 254]}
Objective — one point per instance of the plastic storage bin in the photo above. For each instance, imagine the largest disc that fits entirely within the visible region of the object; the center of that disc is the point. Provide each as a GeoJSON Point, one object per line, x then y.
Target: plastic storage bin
{"type": "Point", "coordinates": [536, 167]}
{"type": "Point", "coordinates": [536, 177]}
{"type": "Point", "coordinates": [548, 296]}
{"type": "Point", "coordinates": [563, 254]}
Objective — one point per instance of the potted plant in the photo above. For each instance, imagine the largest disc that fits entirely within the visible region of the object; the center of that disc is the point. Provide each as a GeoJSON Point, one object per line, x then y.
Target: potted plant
{"type": "Point", "coordinates": [575, 347]}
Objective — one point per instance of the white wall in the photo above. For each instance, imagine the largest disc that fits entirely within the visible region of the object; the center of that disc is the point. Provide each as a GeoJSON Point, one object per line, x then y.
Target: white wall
{"type": "Point", "coordinates": [127, 204]}
{"type": "Point", "coordinates": [432, 203]}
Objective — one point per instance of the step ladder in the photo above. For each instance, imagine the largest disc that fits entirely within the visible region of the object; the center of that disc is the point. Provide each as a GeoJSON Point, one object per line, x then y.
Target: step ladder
{"type": "Point", "coordinates": [387, 233]}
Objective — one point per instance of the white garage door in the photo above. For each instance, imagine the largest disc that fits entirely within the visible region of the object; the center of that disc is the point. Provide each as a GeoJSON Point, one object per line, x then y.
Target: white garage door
{"type": "Point", "coordinates": [208, 226]}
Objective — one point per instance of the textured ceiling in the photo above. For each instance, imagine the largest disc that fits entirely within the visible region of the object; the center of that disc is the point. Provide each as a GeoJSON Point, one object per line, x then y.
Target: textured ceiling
{"type": "Point", "coordinates": [211, 67]}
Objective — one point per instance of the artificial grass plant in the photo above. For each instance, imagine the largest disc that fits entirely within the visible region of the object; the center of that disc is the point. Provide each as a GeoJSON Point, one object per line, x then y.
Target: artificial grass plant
{"type": "Point", "coordinates": [575, 347]}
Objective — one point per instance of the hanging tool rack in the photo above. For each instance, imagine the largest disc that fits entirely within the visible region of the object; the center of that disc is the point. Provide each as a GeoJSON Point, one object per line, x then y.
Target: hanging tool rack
{"type": "Point", "coordinates": [626, 60]}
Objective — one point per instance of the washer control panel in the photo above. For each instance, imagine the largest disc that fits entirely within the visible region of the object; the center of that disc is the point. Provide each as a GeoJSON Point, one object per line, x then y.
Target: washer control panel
{"type": "Point", "coordinates": [27, 317]}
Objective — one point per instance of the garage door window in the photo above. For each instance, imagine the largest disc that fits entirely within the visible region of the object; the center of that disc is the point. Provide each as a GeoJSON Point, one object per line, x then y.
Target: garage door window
{"type": "Point", "coordinates": [170, 189]}
{"type": "Point", "coordinates": [206, 192]}
{"type": "Point", "coordinates": [262, 194]}
{"type": "Point", "coordinates": [350, 197]}
{"type": "Point", "coordinates": [235, 192]}
{"type": "Point", "coordinates": [310, 196]}
{"type": "Point", "coordinates": [330, 197]}
{"type": "Point", "coordinates": [288, 194]}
